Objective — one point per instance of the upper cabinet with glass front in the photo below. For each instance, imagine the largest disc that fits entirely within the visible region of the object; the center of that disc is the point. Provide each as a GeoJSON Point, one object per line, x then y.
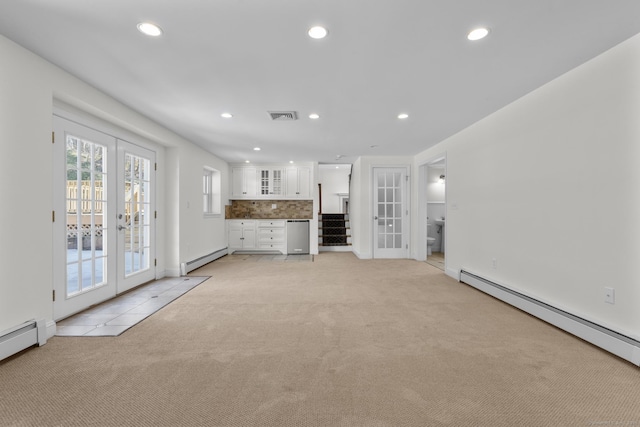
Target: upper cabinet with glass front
{"type": "Point", "coordinates": [271, 182]}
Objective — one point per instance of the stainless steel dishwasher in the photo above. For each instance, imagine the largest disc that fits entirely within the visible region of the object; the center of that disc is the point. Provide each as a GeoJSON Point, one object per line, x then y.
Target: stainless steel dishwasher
{"type": "Point", "coordinates": [298, 236]}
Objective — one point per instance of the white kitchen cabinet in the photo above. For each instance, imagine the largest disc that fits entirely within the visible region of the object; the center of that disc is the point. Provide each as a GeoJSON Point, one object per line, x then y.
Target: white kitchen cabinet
{"type": "Point", "coordinates": [298, 182]}
{"type": "Point", "coordinates": [242, 234]}
{"type": "Point", "coordinates": [270, 182]}
{"type": "Point", "coordinates": [244, 182]}
{"type": "Point", "coordinates": [271, 235]}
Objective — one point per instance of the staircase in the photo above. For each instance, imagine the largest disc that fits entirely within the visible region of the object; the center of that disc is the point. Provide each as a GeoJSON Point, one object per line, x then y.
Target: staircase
{"type": "Point", "coordinates": [334, 233]}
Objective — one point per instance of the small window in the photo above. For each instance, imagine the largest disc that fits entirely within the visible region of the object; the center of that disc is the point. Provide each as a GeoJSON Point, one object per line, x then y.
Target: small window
{"type": "Point", "coordinates": [211, 191]}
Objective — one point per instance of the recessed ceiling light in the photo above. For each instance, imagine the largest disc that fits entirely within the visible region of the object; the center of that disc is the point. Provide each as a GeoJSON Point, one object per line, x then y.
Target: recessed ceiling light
{"type": "Point", "coordinates": [256, 149]}
{"type": "Point", "coordinates": [318, 32]}
{"type": "Point", "coordinates": [247, 161]}
{"type": "Point", "coordinates": [314, 116]}
{"type": "Point", "coordinates": [477, 34]}
{"type": "Point", "coordinates": [290, 161]}
{"type": "Point", "coordinates": [226, 115]}
{"type": "Point", "coordinates": [403, 115]}
{"type": "Point", "coordinates": [149, 29]}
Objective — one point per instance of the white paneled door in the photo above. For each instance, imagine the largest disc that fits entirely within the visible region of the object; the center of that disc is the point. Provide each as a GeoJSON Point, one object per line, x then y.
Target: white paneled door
{"type": "Point", "coordinates": [103, 234]}
{"type": "Point", "coordinates": [390, 221]}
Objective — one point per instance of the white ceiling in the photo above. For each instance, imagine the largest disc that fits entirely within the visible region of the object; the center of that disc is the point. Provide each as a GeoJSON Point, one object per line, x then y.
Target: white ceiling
{"type": "Point", "coordinates": [381, 58]}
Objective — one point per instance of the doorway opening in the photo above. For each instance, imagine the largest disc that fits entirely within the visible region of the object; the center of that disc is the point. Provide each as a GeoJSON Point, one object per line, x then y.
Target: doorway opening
{"type": "Point", "coordinates": [334, 226]}
{"type": "Point", "coordinates": [433, 209]}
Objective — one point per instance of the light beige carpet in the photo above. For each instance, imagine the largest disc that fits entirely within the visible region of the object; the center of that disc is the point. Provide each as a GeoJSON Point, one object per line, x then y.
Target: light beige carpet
{"type": "Point", "coordinates": [336, 342]}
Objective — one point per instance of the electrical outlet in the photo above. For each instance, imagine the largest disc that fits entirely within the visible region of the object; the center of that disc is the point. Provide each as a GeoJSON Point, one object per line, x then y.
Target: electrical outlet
{"type": "Point", "coordinates": [609, 295]}
{"type": "Point", "coordinates": [494, 264]}
{"type": "Point", "coordinates": [274, 206]}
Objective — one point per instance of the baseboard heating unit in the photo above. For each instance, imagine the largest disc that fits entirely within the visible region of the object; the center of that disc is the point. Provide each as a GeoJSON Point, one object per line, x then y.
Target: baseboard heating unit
{"type": "Point", "coordinates": [621, 345]}
{"type": "Point", "coordinates": [187, 267]}
{"type": "Point", "coordinates": [22, 336]}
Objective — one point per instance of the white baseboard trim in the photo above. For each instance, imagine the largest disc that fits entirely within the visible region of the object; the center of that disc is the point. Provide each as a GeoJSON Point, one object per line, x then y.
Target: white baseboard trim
{"type": "Point", "coordinates": [621, 345]}
{"type": "Point", "coordinates": [172, 272]}
{"type": "Point", "coordinates": [453, 273]}
{"type": "Point", "coordinates": [360, 256]}
{"type": "Point", "coordinates": [335, 249]}
{"type": "Point", "coordinates": [189, 266]}
{"type": "Point", "coordinates": [51, 329]}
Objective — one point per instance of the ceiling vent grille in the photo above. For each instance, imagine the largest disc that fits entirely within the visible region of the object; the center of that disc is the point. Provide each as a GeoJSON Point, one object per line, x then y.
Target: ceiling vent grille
{"type": "Point", "coordinates": [283, 115]}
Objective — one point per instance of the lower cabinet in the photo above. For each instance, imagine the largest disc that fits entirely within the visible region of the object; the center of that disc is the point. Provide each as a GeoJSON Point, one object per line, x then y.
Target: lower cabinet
{"type": "Point", "coordinates": [271, 235]}
{"type": "Point", "coordinates": [259, 235]}
{"type": "Point", "coordinates": [242, 234]}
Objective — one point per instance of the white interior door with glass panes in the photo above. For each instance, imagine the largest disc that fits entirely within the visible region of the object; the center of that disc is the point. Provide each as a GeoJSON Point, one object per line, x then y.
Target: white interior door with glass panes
{"type": "Point", "coordinates": [89, 236]}
{"type": "Point", "coordinates": [390, 221]}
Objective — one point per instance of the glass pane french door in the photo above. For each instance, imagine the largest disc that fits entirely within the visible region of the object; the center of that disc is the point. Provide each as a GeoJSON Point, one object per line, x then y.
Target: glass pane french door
{"type": "Point", "coordinates": [390, 213]}
{"type": "Point", "coordinates": [84, 255]}
{"type": "Point", "coordinates": [104, 210]}
{"type": "Point", "coordinates": [136, 212]}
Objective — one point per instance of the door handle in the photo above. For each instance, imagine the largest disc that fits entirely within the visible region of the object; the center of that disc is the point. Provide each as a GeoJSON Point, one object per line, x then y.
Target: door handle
{"type": "Point", "coordinates": [375, 217]}
{"type": "Point", "coordinates": [122, 227]}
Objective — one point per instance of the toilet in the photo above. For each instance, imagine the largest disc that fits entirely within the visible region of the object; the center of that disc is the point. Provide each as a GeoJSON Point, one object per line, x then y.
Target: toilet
{"type": "Point", "coordinates": [430, 242]}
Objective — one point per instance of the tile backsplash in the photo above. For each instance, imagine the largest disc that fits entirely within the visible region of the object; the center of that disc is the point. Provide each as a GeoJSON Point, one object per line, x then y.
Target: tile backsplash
{"type": "Point", "coordinates": [285, 209]}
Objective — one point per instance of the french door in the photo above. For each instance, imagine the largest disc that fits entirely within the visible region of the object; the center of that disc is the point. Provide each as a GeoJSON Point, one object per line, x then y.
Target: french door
{"type": "Point", "coordinates": [135, 217]}
{"type": "Point", "coordinates": [390, 221]}
{"type": "Point", "coordinates": [103, 231]}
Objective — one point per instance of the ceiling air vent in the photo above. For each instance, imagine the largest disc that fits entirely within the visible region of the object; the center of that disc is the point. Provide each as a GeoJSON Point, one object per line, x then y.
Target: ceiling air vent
{"type": "Point", "coordinates": [283, 115]}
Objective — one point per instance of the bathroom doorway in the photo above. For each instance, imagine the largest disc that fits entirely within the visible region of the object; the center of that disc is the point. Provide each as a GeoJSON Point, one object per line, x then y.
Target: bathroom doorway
{"type": "Point", "coordinates": [435, 209]}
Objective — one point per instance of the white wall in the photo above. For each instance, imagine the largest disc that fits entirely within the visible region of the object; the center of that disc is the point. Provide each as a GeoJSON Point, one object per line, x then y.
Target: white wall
{"type": "Point", "coordinates": [199, 235]}
{"type": "Point", "coordinates": [361, 209]}
{"type": "Point", "coordinates": [525, 186]}
{"type": "Point", "coordinates": [333, 181]}
{"type": "Point", "coordinates": [435, 189]}
{"type": "Point", "coordinates": [28, 87]}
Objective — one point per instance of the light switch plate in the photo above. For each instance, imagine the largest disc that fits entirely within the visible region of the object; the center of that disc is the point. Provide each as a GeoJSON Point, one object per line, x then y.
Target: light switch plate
{"type": "Point", "coordinates": [609, 295]}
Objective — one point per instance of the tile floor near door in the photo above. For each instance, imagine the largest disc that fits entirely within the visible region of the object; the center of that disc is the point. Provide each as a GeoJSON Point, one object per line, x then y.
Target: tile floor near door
{"type": "Point", "coordinates": [113, 317]}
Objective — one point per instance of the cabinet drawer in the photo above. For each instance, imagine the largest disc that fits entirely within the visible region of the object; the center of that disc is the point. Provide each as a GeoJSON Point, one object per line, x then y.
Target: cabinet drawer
{"type": "Point", "coordinates": [271, 232]}
{"type": "Point", "coordinates": [241, 223]}
{"type": "Point", "coordinates": [271, 224]}
{"type": "Point", "coordinates": [271, 246]}
{"type": "Point", "coordinates": [274, 240]}
{"type": "Point", "coordinates": [267, 236]}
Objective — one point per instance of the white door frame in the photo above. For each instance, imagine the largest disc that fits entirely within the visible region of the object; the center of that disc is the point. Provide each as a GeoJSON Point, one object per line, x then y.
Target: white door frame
{"type": "Point", "coordinates": [402, 252]}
